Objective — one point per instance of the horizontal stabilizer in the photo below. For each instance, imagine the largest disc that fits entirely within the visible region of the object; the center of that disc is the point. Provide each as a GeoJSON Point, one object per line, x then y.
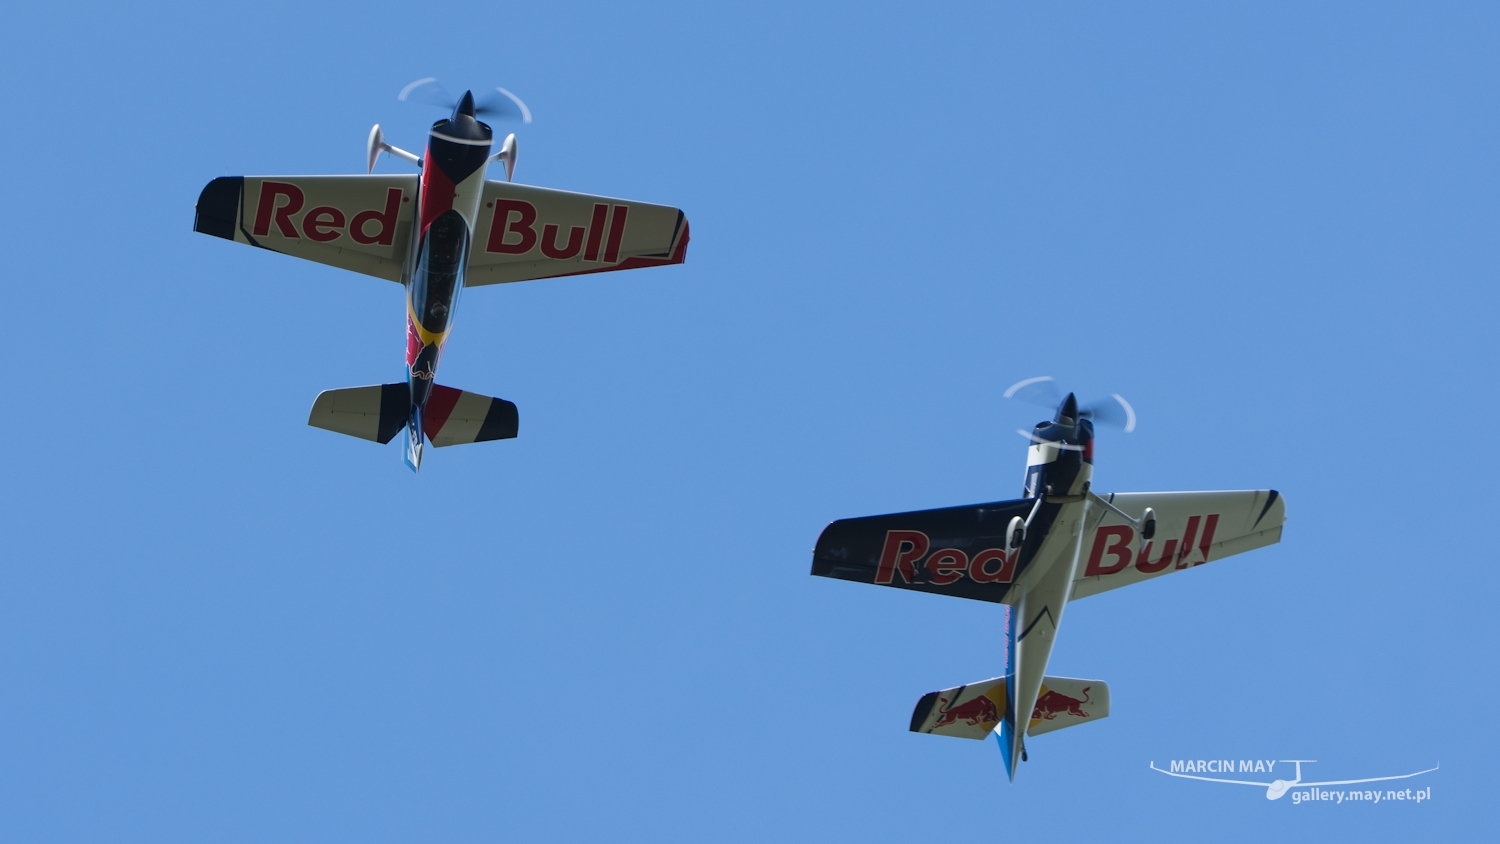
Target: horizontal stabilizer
{"type": "Point", "coordinates": [378, 413]}
{"type": "Point", "coordinates": [455, 417]}
{"type": "Point", "coordinates": [375, 413]}
{"type": "Point", "coordinates": [973, 711]}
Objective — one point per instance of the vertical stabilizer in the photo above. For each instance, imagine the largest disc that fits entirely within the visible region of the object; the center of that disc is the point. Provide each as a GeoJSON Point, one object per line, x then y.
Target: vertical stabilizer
{"type": "Point", "coordinates": [414, 440]}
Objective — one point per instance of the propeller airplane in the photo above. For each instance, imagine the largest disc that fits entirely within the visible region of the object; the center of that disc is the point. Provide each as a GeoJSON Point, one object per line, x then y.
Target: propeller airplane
{"type": "Point", "coordinates": [435, 233]}
{"type": "Point", "coordinates": [1059, 542]}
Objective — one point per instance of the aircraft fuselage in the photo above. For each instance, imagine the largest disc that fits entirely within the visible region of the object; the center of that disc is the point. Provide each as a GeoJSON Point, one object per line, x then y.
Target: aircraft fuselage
{"type": "Point", "coordinates": [451, 186]}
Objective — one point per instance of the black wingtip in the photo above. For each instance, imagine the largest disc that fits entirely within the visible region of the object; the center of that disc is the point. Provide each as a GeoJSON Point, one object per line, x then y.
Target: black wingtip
{"type": "Point", "coordinates": [218, 209]}
{"type": "Point", "coordinates": [924, 708]}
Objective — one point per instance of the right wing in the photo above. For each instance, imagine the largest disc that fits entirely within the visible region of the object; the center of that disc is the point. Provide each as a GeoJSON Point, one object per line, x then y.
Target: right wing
{"type": "Point", "coordinates": [526, 232]}
{"type": "Point", "coordinates": [1191, 529]}
{"type": "Point", "coordinates": [359, 223]}
{"type": "Point", "coordinates": [958, 551]}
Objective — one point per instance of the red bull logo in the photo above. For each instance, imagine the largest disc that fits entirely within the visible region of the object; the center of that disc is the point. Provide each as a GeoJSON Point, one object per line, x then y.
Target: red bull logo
{"type": "Point", "coordinates": [1117, 541]}
{"type": "Point", "coordinates": [1054, 703]}
{"type": "Point", "coordinates": [980, 710]}
{"type": "Point", "coordinates": [513, 231]}
{"type": "Point", "coordinates": [904, 551]}
{"type": "Point", "coordinates": [281, 202]}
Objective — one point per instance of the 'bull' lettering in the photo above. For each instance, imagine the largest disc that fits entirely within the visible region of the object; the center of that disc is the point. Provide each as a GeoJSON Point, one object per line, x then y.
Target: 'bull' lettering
{"type": "Point", "coordinates": [596, 232]}
{"type": "Point", "coordinates": [1210, 524]}
{"type": "Point", "coordinates": [1186, 549]}
{"type": "Point", "coordinates": [1119, 549]}
{"type": "Point", "coordinates": [503, 226]}
{"type": "Point", "coordinates": [549, 242]}
{"type": "Point", "coordinates": [1168, 552]}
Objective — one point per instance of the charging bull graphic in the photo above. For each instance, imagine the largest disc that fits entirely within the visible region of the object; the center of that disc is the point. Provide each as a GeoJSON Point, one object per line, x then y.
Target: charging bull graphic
{"type": "Point", "coordinates": [1052, 703]}
{"type": "Point", "coordinates": [980, 710]}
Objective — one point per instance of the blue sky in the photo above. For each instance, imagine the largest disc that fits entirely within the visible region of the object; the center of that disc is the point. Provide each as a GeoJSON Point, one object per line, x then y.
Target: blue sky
{"type": "Point", "coordinates": [1271, 226]}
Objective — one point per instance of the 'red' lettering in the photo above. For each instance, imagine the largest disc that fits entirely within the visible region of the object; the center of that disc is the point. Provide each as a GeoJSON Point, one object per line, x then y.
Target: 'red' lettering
{"type": "Point", "coordinates": [979, 566]}
{"type": "Point", "coordinates": [1119, 548]}
{"type": "Point", "coordinates": [386, 234]}
{"type": "Point", "coordinates": [522, 226]}
{"type": "Point", "coordinates": [322, 223]}
{"type": "Point", "coordinates": [946, 566]}
{"type": "Point", "coordinates": [269, 191]}
{"type": "Point", "coordinates": [902, 549]}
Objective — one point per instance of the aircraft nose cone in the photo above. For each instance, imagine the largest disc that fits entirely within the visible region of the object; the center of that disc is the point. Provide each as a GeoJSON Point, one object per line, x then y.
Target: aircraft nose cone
{"type": "Point", "coordinates": [1067, 412]}
{"type": "Point", "coordinates": [465, 105]}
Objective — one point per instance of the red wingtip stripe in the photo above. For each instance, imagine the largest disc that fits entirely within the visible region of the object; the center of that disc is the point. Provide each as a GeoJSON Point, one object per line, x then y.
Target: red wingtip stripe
{"type": "Point", "coordinates": [440, 404]}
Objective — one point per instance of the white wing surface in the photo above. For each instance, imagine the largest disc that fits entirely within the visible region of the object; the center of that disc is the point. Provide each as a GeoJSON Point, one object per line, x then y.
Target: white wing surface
{"type": "Point", "coordinates": [527, 232]}
{"type": "Point", "coordinates": [358, 223]}
{"type": "Point", "coordinates": [1192, 528]}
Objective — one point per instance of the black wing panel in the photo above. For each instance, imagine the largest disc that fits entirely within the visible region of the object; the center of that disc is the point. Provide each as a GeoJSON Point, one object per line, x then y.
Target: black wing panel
{"type": "Point", "coordinates": [958, 551]}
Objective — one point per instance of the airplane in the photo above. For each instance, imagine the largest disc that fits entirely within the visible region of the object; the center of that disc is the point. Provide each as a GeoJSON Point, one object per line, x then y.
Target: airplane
{"type": "Point", "coordinates": [1059, 542]}
{"type": "Point", "coordinates": [436, 233]}
{"type": "Point", "coordinates": [1276, 789]}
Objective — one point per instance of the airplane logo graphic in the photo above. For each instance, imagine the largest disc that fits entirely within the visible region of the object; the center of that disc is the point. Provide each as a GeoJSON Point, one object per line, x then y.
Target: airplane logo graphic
{"type": "Point", "coordinates": [1277, 788]}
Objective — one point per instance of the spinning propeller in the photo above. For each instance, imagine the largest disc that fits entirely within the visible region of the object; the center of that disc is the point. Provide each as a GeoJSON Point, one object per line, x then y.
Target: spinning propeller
{"type": "Point", "coordinates": [429, 91]}
{"type": "Point", "coordinates": [1042, 390]}
{"type": "Point", "coordinates": [497, 103]}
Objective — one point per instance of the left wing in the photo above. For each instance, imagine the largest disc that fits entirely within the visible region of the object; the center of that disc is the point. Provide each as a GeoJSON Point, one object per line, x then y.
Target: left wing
{"type": "Point", "coordinates": [1191, 529]}
{"type": "Point", "coordinates": [958, 551]}
{"type": "Point", "coordinates": [358, 223]}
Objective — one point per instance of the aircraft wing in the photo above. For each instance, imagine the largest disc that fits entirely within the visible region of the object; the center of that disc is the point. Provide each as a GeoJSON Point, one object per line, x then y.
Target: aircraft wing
{"type": "Point", "coordinates": [528, 232]}
{"type": "Point", "coordinates": [958, 551]}
{"type": "Point", "coordinates": [1192, 528]}
{"type": "Point", "coordinates": [359, 223]}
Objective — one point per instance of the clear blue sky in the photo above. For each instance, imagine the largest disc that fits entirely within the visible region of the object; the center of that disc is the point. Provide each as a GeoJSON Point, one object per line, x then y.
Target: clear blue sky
{"type": "Point", "coordinates": [1271, 226]}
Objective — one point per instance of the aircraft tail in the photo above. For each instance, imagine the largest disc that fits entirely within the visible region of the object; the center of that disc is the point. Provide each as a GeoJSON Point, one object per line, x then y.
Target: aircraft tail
{"type": "Point", "coordinates": [977, 710]}
{"type": "Point", "coordinates": [414, 442]}
{"type": "Point", "coordinates": [450, 417]}
{"type": "Point", "coordinates": [375, 413]}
